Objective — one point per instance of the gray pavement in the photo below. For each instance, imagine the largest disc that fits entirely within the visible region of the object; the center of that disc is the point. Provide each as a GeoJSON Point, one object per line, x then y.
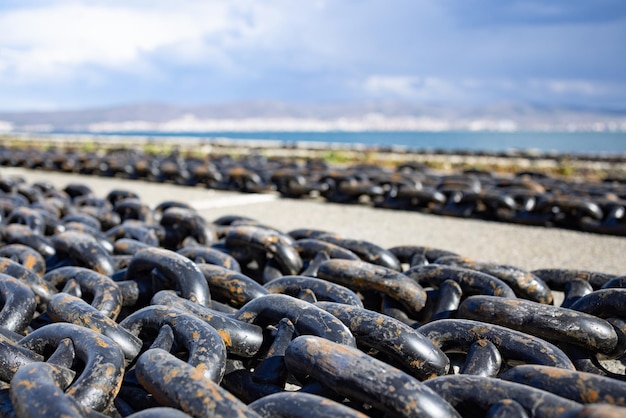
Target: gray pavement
{"type": "Point", "coordinates": [522, 246]}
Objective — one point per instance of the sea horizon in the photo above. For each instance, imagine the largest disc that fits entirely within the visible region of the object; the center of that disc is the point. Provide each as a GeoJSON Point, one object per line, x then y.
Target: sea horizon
{"type": "Point", "coordinates": [579, 142]}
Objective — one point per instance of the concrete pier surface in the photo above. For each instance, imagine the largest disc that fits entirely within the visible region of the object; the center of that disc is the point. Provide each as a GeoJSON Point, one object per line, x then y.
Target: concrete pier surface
{"type": "Point", "coordinates": [523, 246]}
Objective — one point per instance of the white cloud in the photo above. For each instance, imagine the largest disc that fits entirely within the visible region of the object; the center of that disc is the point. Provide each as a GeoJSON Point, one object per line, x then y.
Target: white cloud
{"type": "Point", "coordinates": [435, 89]}
{"type": "Point", "coordinates": [579, 87]}
{"type": "Point", "coordinates": [57, 40]}
{"type": "Point", "coordinates": [415, 87]}
{"type": "Point", "coordinates": [397, 85]}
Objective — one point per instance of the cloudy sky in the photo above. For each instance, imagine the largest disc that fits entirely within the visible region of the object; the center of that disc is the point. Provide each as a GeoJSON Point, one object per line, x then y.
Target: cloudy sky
{"type": "Point", "coordinates": [61, 54]}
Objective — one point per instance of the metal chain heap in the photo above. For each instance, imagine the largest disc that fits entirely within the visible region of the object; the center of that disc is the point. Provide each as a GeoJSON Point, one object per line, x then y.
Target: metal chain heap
{"type": "Point", "coordinates": [113, 308]}
{"type": "Point", "coordinates": [525, 198]}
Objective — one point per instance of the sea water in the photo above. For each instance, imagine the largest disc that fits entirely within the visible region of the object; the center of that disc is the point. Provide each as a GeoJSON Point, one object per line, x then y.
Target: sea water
{"type": "Point", "coordinates": [609, 143]}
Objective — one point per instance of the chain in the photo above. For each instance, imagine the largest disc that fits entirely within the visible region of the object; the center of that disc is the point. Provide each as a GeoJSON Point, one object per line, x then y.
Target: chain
{"type": "Point", "coordinates": [112, 308]}
{"type": "Point", "coordinates": [527, 197]}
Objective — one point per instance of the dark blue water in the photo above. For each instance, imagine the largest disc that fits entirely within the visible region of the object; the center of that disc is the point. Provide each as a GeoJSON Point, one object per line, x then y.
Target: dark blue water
{"type": "Point", "coordinates": [560, 142]}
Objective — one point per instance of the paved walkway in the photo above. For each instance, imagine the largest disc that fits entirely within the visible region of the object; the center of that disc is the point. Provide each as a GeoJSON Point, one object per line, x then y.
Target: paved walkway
{"type": "Point", "coordinates": [523, 246]}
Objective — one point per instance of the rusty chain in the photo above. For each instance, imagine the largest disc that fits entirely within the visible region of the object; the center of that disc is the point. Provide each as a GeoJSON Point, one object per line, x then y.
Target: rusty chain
{"type": "Point", "coordinates": [527, 197]}
{"type": "Point", "coordinates": [112, 308]}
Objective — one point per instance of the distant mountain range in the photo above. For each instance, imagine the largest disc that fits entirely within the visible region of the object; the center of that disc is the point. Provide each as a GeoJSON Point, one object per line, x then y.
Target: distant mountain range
{"type": "Point", "coordinates": [280, 116]}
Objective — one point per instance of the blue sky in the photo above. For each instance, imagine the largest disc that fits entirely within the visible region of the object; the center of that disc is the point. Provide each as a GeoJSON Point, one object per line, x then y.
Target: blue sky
{"type": "Point", "coordinates": [70, 54]}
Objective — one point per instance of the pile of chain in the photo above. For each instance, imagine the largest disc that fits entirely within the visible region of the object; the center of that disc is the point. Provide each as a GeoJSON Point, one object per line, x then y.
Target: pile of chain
{"type": "Point", "coordinates": [113, 308]}
{"type": "Point", "coordinates": [526, 198]}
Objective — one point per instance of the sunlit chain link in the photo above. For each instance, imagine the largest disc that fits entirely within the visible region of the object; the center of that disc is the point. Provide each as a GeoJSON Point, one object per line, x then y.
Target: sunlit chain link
{"type": "Point", "coordinates": [526, 197]}
{"type": "Point", "coordinates": [112, 308]}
